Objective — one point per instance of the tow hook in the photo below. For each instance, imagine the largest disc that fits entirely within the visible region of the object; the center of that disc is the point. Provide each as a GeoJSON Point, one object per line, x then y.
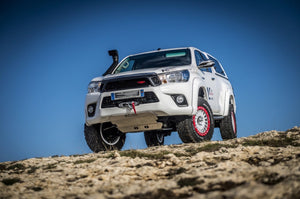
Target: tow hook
{"type": "Point", "coordinates": [129, 105]}
{"type": "Point", "coordinates": [133, 106]}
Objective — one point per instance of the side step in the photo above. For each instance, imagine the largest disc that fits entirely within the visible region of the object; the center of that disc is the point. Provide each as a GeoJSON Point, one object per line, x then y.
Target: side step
{"type": "Point", "coordinates": [218, 117]}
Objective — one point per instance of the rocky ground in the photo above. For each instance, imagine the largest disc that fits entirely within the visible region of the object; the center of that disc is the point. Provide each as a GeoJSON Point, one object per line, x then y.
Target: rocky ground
{"type": "Point", "coordinates": [266, 165]}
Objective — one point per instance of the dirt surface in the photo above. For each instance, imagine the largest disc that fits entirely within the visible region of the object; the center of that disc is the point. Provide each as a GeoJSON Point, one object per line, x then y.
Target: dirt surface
{"type": "Point", "coordinates": [266, 165]}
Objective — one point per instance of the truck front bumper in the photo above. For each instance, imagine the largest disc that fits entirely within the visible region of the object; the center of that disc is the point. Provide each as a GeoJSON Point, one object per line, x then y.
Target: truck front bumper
{"type": "Point", "coordinates": [166, 106]}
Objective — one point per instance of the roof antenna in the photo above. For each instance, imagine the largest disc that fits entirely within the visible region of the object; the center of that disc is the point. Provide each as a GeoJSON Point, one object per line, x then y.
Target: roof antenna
{"type": "Point", "coordinates": [158, 48]}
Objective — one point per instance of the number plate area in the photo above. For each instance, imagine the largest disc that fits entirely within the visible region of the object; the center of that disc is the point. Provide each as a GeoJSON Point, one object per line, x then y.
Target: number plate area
{"type": "Point", "coordinates": [127, 94]}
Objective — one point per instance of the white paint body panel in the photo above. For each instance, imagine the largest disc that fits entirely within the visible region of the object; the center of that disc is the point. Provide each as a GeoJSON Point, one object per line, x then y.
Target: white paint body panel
{"type": "Point", "coordinates": [218, 92]}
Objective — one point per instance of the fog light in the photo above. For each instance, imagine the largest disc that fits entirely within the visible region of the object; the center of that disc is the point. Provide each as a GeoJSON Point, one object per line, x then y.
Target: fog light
{"type": "Point", "coordinates": [180, 99]}
{"type": "Point", "coordinates": [91, 108]}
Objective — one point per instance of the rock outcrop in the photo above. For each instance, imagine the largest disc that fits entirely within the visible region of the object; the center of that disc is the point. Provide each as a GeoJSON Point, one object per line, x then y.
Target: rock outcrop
{"type": "Point", "coordinates": [266, 165]}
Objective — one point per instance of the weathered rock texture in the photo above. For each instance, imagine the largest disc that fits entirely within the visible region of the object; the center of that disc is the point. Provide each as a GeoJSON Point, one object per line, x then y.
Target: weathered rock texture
{"type": "Point", "coordinates": [266, 165]}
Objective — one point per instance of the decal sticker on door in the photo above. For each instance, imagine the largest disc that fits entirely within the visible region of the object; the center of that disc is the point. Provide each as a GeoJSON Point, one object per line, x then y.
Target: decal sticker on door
{"type": "Point", "coordinates": [210, 93]}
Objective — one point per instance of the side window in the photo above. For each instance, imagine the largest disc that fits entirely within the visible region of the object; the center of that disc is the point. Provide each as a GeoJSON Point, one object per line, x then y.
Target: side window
{"type": "Point", "coordinates": [199, 58]}
{"type": "Point", "coordinates": [217, 66]}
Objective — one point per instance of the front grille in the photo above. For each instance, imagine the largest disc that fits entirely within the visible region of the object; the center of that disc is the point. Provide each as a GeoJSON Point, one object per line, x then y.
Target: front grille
{"type": "Point", "coordinates": [149, 97]}
{"type": "Point", "coordinates": [127, 84]}
{"type": "Point", "coordinates": [130, 82]}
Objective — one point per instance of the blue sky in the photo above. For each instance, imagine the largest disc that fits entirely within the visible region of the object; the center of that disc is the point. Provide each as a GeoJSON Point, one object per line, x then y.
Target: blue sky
{"type": "Point", "coordinates": [50, 50]}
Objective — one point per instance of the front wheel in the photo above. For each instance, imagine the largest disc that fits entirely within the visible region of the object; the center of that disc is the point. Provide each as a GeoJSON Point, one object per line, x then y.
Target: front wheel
{"type": "Point", "coordinates": [228, 125]}
{"type": "Point", "coordinates": [104, 137]}
{"type": "Point", "coordinates": [154, 138]}
{"type": "Point", "coordinates": [198, 127]}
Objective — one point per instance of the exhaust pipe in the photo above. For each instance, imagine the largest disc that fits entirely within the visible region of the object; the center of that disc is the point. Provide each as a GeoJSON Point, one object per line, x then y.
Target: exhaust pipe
{"type": "Point", "coordinates": [115, 57]}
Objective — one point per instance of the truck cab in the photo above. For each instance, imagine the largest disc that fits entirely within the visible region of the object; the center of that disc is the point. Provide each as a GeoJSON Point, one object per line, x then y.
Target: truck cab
{"type": "Point", "coordinates": [159, 92]}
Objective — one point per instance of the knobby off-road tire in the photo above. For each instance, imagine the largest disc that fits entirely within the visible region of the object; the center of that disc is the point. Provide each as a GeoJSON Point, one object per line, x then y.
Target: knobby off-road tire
{"type": "Point", "coordinates": [198, 127]}
{"type": "Point", "coordinates": [154, 138]}
{"type": "Point", "coordinates": [228, 125]}
{"type": "Point", "coordinates": [104, 137]}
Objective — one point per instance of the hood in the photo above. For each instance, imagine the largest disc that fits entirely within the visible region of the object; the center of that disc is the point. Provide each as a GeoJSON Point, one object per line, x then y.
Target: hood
{"type": "Point", "coordinates": [149, 71]}
{"type": "Point", "coordinates": [96, 79]}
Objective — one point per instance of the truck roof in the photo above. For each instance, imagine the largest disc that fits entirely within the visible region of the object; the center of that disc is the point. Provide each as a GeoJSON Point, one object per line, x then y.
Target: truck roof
{"type": "Point", "coordinates": [161, 50]}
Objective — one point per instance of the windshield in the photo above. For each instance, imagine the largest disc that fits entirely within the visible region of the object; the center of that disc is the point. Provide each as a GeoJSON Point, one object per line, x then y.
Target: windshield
{"type": "Point", "coordinates": [155, 60]}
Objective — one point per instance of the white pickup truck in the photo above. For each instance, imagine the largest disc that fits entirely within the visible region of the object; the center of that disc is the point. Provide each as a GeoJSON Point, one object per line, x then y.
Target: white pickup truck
{"type": "Point", "coordinates": [158, 92]}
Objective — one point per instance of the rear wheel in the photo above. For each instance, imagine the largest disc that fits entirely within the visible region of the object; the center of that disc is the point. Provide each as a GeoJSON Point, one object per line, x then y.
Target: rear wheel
{"type": "Point", "coordinates": [228, 125]}
{"type": "Point", "coordinates": [104, 137]}
{"type": "Point", "coordinates": [154, 138]}
{"type": "Point", "coordinates": [198, 127]}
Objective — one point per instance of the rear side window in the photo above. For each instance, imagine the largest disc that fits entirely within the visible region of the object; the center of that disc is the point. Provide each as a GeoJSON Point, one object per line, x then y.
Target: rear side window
{"type": "Point", "coordinates": [217, 66]}
{"type": "Point", "coordinates": [199, 57]}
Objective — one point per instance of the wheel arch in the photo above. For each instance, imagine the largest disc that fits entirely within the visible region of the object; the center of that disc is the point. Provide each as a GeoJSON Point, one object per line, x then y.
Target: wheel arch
{"type": "Point", "coordinates": [202, 93]}
{"type": "Point", "coordinates": [198, 91]}
{"type": "Point", "coordinates": [229, 100]}
{"type": "Point", "coordinates": [232, 101]}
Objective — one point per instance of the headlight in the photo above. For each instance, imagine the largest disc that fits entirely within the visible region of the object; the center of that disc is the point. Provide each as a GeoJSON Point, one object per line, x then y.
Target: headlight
{"type": "Point", "coordinates": [94, 87]}
{"type": "Point", "coordinates": [176, 76]}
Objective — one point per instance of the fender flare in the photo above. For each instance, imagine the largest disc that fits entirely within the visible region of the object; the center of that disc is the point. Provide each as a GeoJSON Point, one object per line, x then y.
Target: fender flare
{"type": "Point", "coordinates": [229, 99]}
{"type": "Point", "coordinates": [197, 85]}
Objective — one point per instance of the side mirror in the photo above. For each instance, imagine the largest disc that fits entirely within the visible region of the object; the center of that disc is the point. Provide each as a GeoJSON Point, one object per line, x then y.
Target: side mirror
{"type": "Point", "coordinates": [206, 64]}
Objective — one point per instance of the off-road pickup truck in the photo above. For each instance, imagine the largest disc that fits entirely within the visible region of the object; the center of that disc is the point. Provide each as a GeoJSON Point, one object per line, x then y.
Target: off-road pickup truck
{"type": "Point", "coordinates": [159, 92]}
